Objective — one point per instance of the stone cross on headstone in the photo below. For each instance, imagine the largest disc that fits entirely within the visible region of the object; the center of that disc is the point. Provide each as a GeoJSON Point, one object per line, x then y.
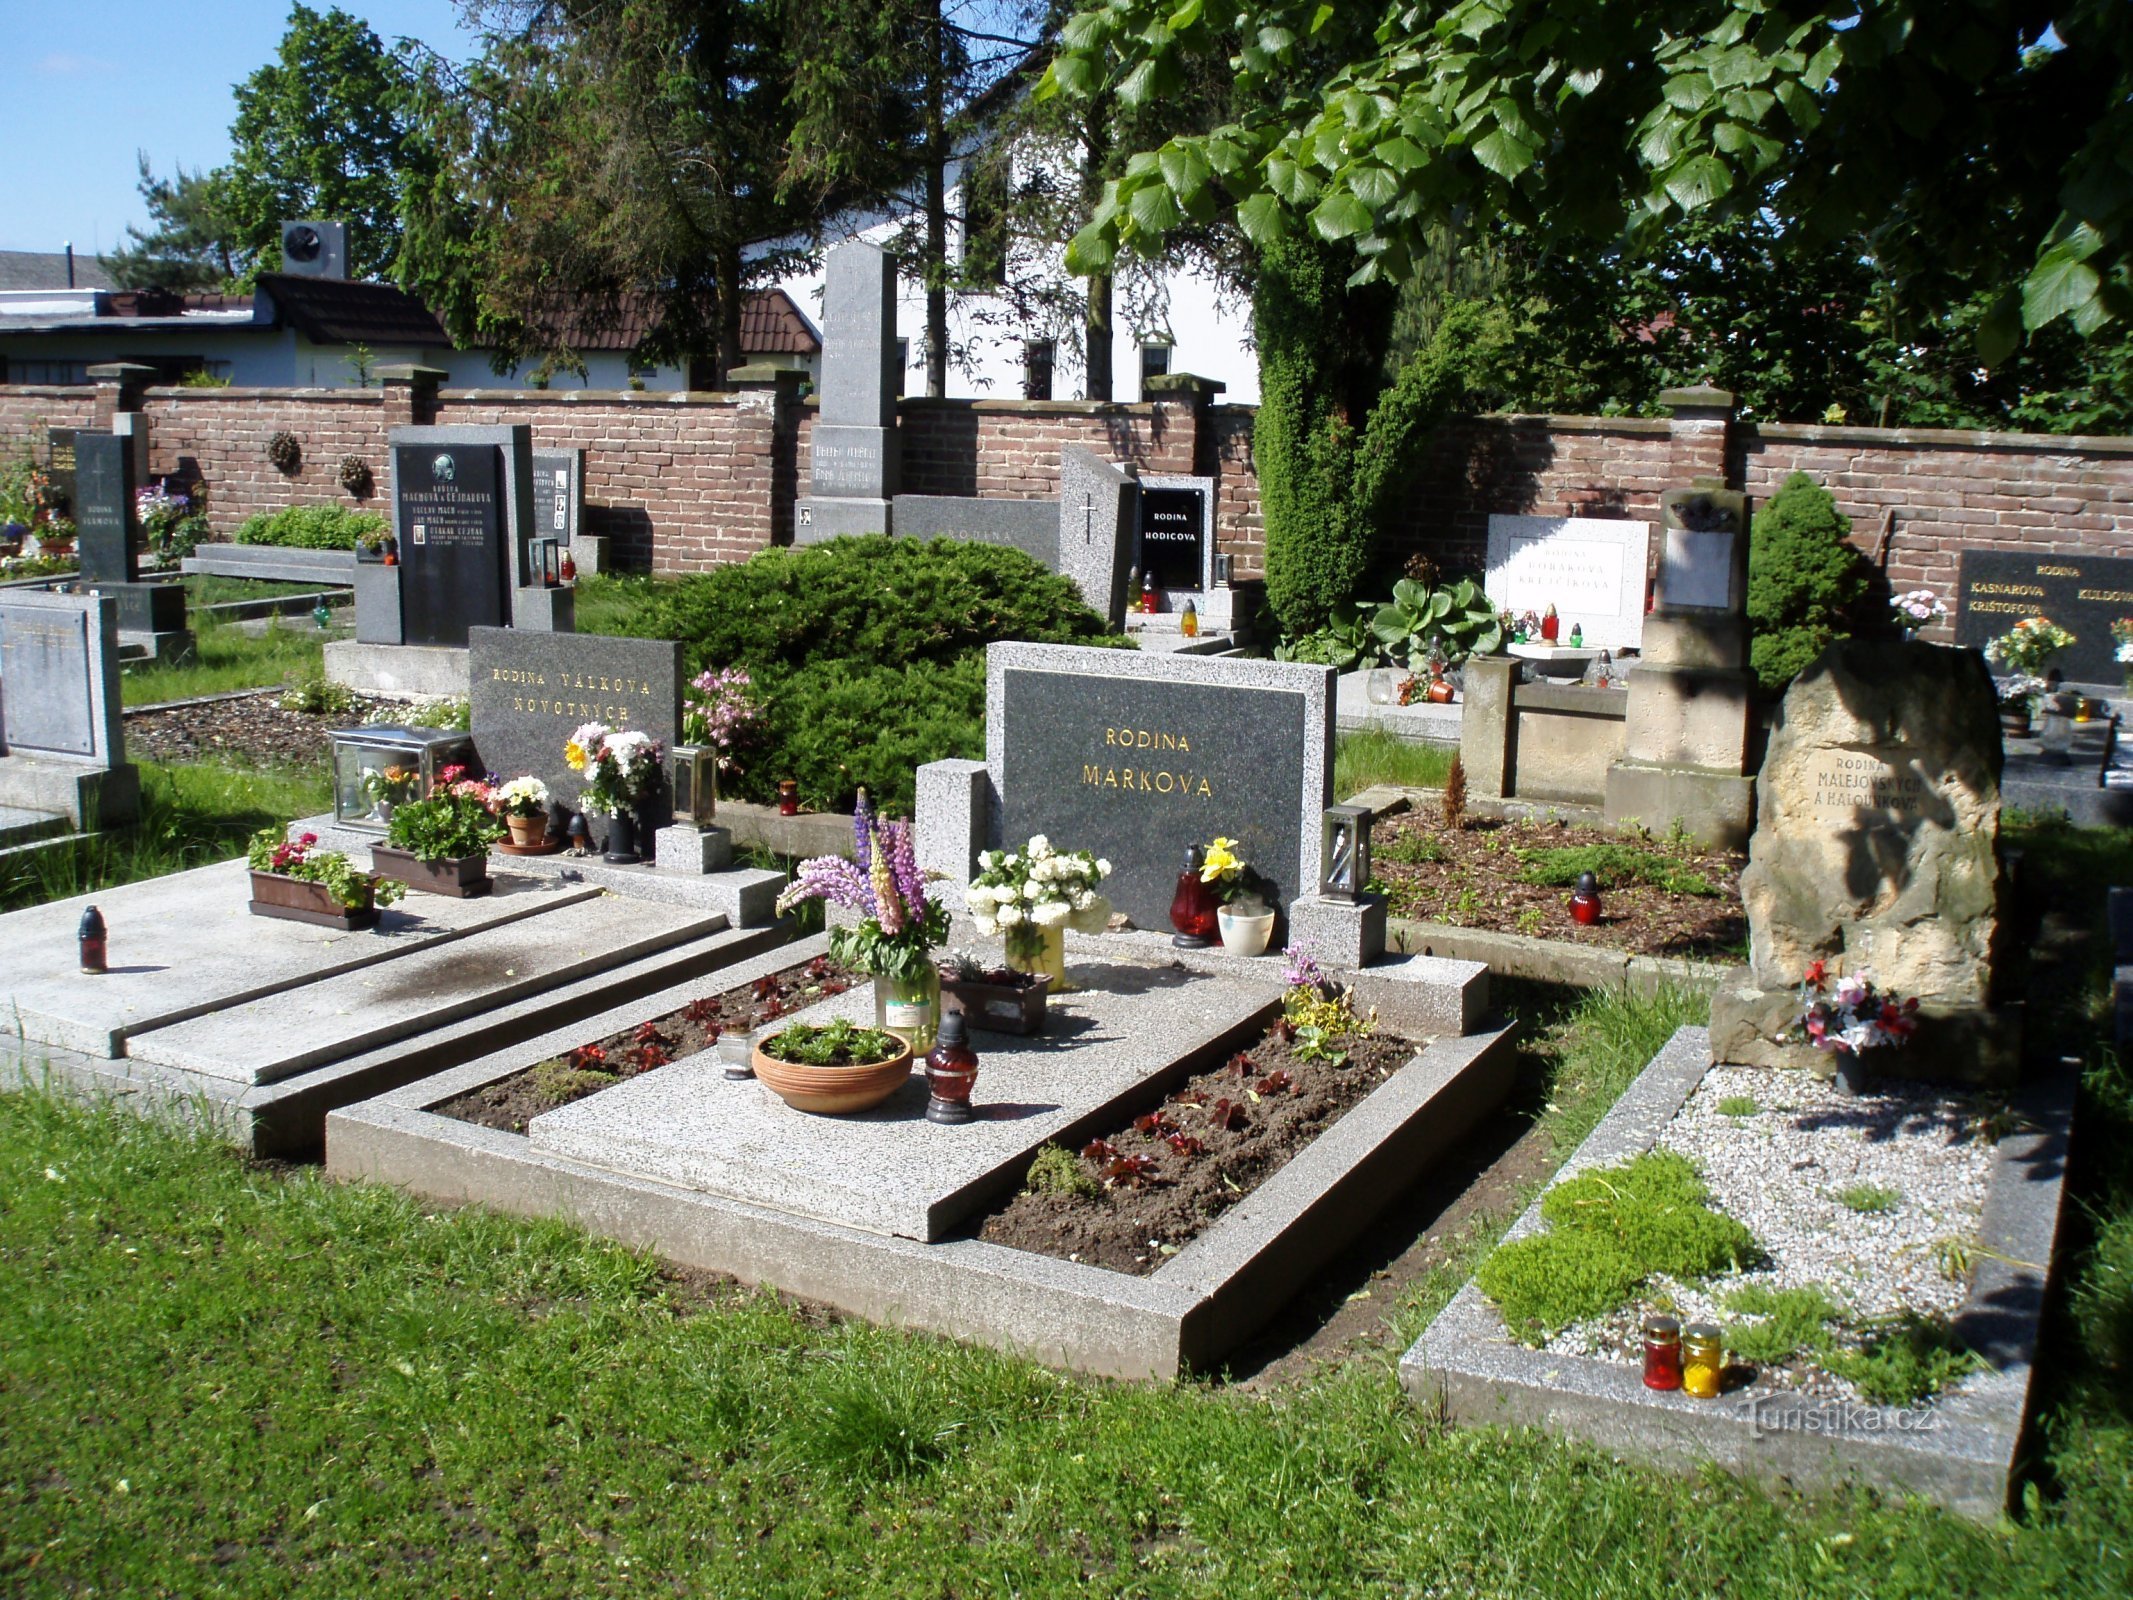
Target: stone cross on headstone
{"type": "Point", "coordinates": [853, 454]}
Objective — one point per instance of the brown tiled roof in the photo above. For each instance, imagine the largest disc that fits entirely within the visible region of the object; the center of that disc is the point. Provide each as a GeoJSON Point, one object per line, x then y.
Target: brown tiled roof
{"type": "Point", "coordinates": [345, 311]}
{"type": "Point", "coordinates": [771, 324]}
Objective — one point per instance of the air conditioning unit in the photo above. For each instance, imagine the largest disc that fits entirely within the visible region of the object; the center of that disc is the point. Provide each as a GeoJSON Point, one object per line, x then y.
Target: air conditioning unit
{"type": "Point", "coordinates": [315, 249]}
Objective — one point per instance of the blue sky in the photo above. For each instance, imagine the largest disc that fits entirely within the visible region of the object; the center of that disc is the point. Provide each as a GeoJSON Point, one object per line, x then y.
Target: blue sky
{"type": "Point", "coordinates": [90, 82]}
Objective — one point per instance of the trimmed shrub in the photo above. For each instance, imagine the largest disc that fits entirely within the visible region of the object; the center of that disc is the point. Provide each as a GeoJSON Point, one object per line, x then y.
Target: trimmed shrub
{"type": "Point", "coordinates": [1805, 582]}
{"type": "Point", "coordinates": [310, 527]}
{"type": "Point", "coordinates": [868, 653]}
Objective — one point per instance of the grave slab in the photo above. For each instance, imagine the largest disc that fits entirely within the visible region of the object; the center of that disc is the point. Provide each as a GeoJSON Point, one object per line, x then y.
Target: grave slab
{"type": "Point", "coordinates": [185, 944]}
{"type": "Point", "coordinates": [889, 1170]}
{"type": "Point", "coordinates": [1960, 1451]}
{"type": "Point", "coordinates": [420, 989]}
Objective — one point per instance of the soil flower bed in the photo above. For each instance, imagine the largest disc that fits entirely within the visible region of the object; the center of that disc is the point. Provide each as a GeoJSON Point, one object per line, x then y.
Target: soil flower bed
{"type": "Point", "coordinates": [1660, 896]}
{"type": "Point", "coordinates": [1139, 1191]}
{"type": "Point", "coordinates": [510, 1103]}
{"type": "Point", "coordinates": [252, 729]}
{"type": "Point", "coordinates": [1864, 1212]}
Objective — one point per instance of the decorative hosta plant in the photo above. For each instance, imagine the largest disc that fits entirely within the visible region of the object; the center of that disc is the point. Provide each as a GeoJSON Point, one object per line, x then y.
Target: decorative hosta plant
{"type": "Point", "coordinates": [899, 926]}
{"type": "Point", "coordinates": [269, 851]}
{"type": "Point", "coordinates": [1454, 622]}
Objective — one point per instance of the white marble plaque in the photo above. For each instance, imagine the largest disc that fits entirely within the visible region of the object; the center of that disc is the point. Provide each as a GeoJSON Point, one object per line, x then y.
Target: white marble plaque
{"type": "Point", "coordinates": [1696, 570]}
{"type": "Point", "coordinates": [1591, 569]}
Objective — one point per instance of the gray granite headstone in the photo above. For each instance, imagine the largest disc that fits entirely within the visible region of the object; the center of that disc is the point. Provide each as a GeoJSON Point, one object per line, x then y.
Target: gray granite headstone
{"type": "Point", "coordinates": [1139, 757]}
{"type": "Point", "coordinates": [59, 672]}
{"type": "Point", "coordinates": [2083, 593]}
{"type": "Point", "coordinates": [852, 451]}
{"type": "Point", "coordinates": [1031, 526]}
{"type": "Point", "coordinates": [1097, 500]}
{"type": "Point", "coordinates": [532, 690]}
{"type": "Point", "coordinates": [103, 508]}
{"type": "Point", "coordinates": [558, 494]}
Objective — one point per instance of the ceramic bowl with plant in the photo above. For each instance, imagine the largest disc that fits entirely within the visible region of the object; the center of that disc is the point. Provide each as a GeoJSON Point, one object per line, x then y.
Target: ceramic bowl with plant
{"type": "Point", "coordinates": [832, 1068]}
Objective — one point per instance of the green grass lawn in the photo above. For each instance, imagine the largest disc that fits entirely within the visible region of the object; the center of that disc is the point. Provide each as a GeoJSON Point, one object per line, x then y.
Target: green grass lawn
{"type": "Point", "coordinates": [209, 588]}
{"type": "Point", "coordinates": [229, 658]}
{"type": "Point", "coordinates": [1375, 756]}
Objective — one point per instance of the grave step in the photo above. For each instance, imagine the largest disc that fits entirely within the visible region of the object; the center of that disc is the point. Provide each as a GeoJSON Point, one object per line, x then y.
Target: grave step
{"type": "Point", "coordinates": [21, 824]}
{"type": "Point", "coordinates": [1120, 1042]}
{"type": "Point", "coordinates": [418, 990]}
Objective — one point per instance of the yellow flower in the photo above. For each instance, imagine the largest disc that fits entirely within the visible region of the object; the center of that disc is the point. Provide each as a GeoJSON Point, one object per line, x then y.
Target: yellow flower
{"type": "Point", "coordinates": [1221, 862]}
{"type": "Point", "coordinates": [574, 753]}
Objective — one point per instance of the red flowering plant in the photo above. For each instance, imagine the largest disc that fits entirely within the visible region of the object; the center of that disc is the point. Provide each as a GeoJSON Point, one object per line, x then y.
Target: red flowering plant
{"type": "Point", "coordinates": [270, 851]}
{"type": "Point", "coordinates": [457, 819]}
{"type": "Point", "coordinates": [1848, 1015]}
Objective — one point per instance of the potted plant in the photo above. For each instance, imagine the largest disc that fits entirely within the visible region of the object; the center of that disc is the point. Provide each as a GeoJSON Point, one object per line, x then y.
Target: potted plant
{"type": "Point", "coordinates": [170, 522]}
{"type": "Point", "coordinates": [622, 769]}
{"type": "Point", "coordinates": [835, 1068]}
{"type": "Point", "coordinates": [2024, 651]}
{"type": "Point", "coordinates": [998, 999]}
{"type": "Point", "coordinates": [1915, 609]}
{"type": "Point", "coordinates": [289, 882]}
{"type": "Point", "coordinates": [1032, 896]}
{"type": "Point", "coordinates": [377, 544]}
{"type": "Point", "coordinates": [1847, 1017]}
{"type": "Point", "coordinates": [523, 804]}
{"type": "Point", "coordinates": [898, 926]}
{"type": "Point", "coordinates": [440, 844]}
{"type": "Point", "coordinates": [1245, 917]}
{"type": "Point", "coordinates": [55, 537]}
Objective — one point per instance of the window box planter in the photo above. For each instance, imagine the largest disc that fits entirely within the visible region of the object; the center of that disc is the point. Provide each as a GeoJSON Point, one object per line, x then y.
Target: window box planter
{"type": "Point", "coordinates": [300, 900]}
{"type": "Point", "coordinates": [998, 1007]}
{"type": "Point", "coordinates": [461, 877]}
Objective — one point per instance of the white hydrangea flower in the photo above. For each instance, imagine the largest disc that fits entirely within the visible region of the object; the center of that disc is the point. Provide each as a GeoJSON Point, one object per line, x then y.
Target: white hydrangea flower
{"type": "Point", "coordinates": [1040, 846]}
{"type": "Point", "coordinates": [1033, 891]}
{"type": "Point", "coordinates": [1082, 898]}
{"type": "Point", "coordinates": [978, 897]}
{"type": "Point", "coordinates": [1009, 916]}
{"type": "Point", "coordinates": [986, 925]}
{"type": "Point", "coordinates": [1103, 868]}
{"type": "Point", "coordinates": [1049, 914]}
{"type": "Point", "coordinates": [987, 860]}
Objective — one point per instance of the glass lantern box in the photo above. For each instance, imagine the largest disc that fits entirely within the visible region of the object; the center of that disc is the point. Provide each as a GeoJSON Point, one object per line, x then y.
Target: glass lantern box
{"type": "Point", "coordinates": [695, 783]}
{"type": "Point", "coordinates": [375, 769]}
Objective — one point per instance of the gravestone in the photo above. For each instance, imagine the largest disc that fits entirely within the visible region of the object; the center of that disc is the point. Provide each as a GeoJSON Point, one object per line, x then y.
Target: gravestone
{"type": "Point", "coordinates": [1691, 700]}
{"type": "Point", "coordinates": [530, 691]}
{"type": "Point", "coordinates": [1139, 757]}
{"type": "Point", "coordinates": [1591, 569]}
{"type": "Point", "coordinates": [2084, 594]}
{"type": "Point", "coordinates": [559, 495]}
{"type": "Point", "coordinates": [59, 467]}
{"type": "Point", "coordinates": [106, 528]}
{"type": "Point", "coordinates": [852, 449]}
{"type": "Point", "coordinates": [1097, 515]}
{"type": "Point", "coordinates": [1174, 537]}
{"type": "Point", "coordinates": [63, 743]}
{"type": "Point", "coordinates": [1875, 848]}
{"type": "Point", "coordinates": [463, 514]}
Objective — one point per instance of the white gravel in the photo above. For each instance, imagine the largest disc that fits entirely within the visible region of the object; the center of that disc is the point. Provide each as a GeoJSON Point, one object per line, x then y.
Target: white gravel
{"type": "Point", "coordinates": [1780, 1170]}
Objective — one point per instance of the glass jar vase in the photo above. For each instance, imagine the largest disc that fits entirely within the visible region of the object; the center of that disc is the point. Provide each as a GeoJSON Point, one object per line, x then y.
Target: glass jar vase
{"type": "Point", "coordinates": [910, 1008]}
{"type": "Point", "coordinates": [1040, 950]}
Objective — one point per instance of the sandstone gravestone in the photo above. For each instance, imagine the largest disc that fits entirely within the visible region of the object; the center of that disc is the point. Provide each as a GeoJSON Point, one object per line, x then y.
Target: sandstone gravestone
{"type": "Point", "coordinates": [852, 449]}
{"type": "Point", "coordinates": [530, 691]}
{"type": "Point", "coordinates": [2083, 593]}
{"type": "Point", "coordinates": [1875, 848]}
{"type": "Point", "coordinates": [1591, 569]}
{"type": "Point", "coordinates": [1138, 757]}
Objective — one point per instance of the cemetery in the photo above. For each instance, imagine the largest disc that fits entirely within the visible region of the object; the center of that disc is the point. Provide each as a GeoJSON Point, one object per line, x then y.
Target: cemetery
{"type": "Point", "coordinates": [1503, 971]}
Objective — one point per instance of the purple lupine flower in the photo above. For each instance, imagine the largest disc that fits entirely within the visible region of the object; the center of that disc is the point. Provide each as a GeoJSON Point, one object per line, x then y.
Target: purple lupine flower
{"type": "Point", "coordinates": [902, 844]}
{"type": "Point", "coordinates": [829, 878]}
{"type": "Point", "coordinates": [863, 834]}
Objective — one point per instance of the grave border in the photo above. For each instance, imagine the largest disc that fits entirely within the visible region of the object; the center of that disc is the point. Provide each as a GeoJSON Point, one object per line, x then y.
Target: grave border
{"type": "Point", "coordinates": [1466, 1368]}
{"type": "Point", "coordinates": [1198, 1306]}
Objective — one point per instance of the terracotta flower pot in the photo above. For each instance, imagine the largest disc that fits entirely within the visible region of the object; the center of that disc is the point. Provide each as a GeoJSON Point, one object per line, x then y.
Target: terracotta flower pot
{"type": "Point", "coordinates": [833, 1091]}
{"type": "Point", "coordinates": [528, 833]}
{"type": "Point", "coordinates": [460, 877]}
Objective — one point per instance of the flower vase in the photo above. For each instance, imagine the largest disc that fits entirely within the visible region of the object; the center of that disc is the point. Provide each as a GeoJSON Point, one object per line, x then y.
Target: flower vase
{"type": "Point", "coordinates": [621, 840]}
{"type": "Point", "coordinates": [1039, 950]}
{"type": "Point", "coordinates": [910, 1008]}
{"type": "Point", "coordinates": [1854, 1077]}
{"type": "Point", "coordinates": [1245, 934]}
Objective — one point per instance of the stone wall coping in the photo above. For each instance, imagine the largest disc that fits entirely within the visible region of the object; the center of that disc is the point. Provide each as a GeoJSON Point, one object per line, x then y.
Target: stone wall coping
{"type": "Point", "coordinates": [2094, 444]}
{"type": "Point", "coordinates": [1033, 408]}
{"type": "Point", "coordinates": [308, 396]}
{"type": "Point", "coordinates": [85, 392]}
{"type": "Point", "coordinates": [589, 397]}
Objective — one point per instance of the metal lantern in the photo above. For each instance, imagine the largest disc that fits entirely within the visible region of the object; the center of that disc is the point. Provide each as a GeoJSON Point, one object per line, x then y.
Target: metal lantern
{"type": "Point", "coordinates": [694, 773]}
{"type": "Point", "coordinates": [1344, 871]}
{"type": "Point", "coordinates": [544, 563]}
{"type": "Point", "coordinates": [1225, 569]}
{"type": "Point", "coordinates": [375, 769]}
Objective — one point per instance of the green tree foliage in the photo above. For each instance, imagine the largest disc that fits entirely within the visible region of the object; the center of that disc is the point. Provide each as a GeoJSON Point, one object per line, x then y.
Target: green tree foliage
{"type": "Point", "coordinates": [869, 654]}
{"type": "Point", "coordinates": [603, 156]}
{"type": "Point", "coordinates": [1926, 125]}
{"type": "Point", "coordinates": [193, 243]}
{"type": "Point", "coordinates": [1805, 580]}
{"type": "Point", "coordinates": [1333, 451]}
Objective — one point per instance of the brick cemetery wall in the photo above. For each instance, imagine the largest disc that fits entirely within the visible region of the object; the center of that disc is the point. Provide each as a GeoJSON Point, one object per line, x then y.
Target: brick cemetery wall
{"type": "Point", "coordinates": [683, 482]}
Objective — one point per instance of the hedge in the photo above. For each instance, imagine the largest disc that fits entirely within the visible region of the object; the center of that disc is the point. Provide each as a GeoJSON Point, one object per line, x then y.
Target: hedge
{"type": "Point", "coordinates": [310, 527]}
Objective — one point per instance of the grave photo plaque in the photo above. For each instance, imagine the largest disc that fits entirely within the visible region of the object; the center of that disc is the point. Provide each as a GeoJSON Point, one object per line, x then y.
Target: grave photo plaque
{"type": "Point", "coordinates": [1172, 547]}
{"type": "Point", "coordinates": [1139, 759]}
{"type": "Point", "coordinates": [455, 565]}
{"type": "Point", "coordinates": [2084, 594]}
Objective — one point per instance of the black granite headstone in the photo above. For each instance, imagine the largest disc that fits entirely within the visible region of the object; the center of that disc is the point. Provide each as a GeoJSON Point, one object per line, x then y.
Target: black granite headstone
{"type": "Point", "coordinates": [531, 691]}
{"type": "Point", "coordinates": [558, 494]}
{"type": "Point", "coordinates": [1138, 771]}
{"type": "Point", "coordinates": [103, 511]}
{"type": "Point", "coordinates": [1995, 589]}
{"type": "Point", "coordinates": [1172, 545]}
{"type": "Point", "coordinates": [59, 467]}
{"type": "Point", "coordinates": [455, 560]}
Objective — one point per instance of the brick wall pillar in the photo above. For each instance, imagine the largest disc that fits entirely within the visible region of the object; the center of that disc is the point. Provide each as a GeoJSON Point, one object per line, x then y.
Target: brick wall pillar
{"type": "Point", "coordinates": [767, 437]}
{"type": "Point", "coordinates": [1700, 438]}
{"type": "Point", "coordinates": [410, 395]}
{"type": "Point", "coordinates": [1183, 444]}
{"type": "Point", "coordinates": [119, 385]}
